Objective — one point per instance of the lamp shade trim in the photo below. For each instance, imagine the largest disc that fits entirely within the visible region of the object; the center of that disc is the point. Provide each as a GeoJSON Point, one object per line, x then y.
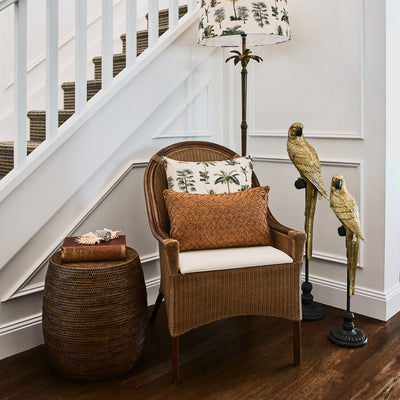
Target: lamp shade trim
{"type": "Point", "coordinates": [222, 22]}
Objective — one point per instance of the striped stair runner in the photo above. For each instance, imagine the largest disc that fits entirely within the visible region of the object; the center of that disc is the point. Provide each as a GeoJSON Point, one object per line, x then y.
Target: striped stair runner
{"type": "Point", "coordinates": [37, 119]}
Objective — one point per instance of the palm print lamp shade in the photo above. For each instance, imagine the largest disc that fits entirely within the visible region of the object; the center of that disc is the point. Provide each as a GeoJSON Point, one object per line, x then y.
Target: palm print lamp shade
{"type": "Point", "coordinates": [222, 22]}
{"type": "Point", "coordinates": [233, 22]}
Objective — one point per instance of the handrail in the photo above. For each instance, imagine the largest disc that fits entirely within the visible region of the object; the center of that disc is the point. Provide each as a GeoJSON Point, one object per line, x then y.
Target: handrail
{"type": "Point", "coordinates": [5, 3]}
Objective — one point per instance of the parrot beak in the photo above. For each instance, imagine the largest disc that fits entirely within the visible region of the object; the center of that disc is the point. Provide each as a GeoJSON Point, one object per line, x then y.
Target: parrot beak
{"type": "Point", "coordinates": [299, 132]}
{"type": "Point", "coordinates": [338, 184]}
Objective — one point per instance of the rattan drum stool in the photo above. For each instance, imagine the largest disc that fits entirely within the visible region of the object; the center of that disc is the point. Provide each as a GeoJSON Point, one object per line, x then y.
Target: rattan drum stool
{"type": "Point", "coordinates": [94, 316]}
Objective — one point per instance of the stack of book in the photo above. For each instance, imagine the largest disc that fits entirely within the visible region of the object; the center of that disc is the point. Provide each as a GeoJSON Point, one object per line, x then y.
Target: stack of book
{"type": "Point", "coordinates": [115, 249]}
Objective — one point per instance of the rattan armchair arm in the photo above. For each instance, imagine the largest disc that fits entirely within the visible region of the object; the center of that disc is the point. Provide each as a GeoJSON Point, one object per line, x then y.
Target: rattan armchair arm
{"type": "Point", "coordinates": [169, 254]}
{"type": "Point", "coordinates": [286, 239]}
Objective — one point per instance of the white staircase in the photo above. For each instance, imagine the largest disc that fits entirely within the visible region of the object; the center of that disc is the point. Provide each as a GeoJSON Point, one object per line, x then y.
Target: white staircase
{"type": "Point", "coordinates": [55, 189]}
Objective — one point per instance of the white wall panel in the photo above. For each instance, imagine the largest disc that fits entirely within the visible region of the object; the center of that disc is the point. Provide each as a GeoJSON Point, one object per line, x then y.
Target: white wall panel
{"type": "Point", "coordinates": [317, 77]}
{"type": "Point", "coordinates": [330, 77]}
{"type": "Point", "coordinates": [287, 203]}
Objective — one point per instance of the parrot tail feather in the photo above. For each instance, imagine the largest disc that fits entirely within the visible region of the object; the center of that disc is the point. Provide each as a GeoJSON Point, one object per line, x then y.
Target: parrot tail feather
{"type": "Point", "coordinates": [311, 201]}
{"type": "Point", "coordinates": [352, 244]}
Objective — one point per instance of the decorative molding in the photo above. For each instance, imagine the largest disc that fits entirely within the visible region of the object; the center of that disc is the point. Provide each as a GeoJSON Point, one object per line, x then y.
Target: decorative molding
{"type": "Point", "coordinates": [20, 335]}
{"type": "Point", "coordinates": [25, 333]}
{"type": "Point", "coordinates": [322, 134]}
{"type": "Point", "coordinates": [329, 257]}
{"type": "Point", "coordinates": [310, 134]}
{"type": "Point", "coordinates": [20, 324]}
{"type": "Point", "coordinates": [331, 162]}
{"type": "Point", "coordinates": [339, 259]}
{"type": "Point", "coordinates": [22, 287]}
{"type": "Point", "coordinates": [206, 85]}
{"type": "Point", "coordinates": [377, 304]}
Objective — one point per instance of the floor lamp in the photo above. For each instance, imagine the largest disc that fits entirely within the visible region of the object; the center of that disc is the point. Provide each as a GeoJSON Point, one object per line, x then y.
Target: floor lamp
{"type": "Point", "coordinates": [234, 23]}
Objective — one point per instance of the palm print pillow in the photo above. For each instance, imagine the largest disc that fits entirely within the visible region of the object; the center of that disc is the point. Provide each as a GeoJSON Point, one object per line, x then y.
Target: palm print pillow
{"type": "Point", "coordinates": [212, 177]}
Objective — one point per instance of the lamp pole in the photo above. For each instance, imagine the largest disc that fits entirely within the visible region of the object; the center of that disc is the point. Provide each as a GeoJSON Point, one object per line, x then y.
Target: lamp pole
{"type": "Point", "coordinates": [244, 99]}
{"type": "Point", "coordinates": [244, 57]}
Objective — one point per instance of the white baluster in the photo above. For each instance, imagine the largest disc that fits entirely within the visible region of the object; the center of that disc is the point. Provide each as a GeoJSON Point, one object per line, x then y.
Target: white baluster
{"type": "Point", "coordinates": [20, 107]}
{"type": "Point", "coordinates": [153, 23]}
{"type": "Point", "coordinates": [191, 5]}
{"type": "Point", "coordinates": [51, 68]}
{"type": "Point", "coordinates": [80, 55]}
{"type": "Point", "coordinates": [131, 32]}
{"type": "Point", "coordinates": [107, 44]}
{"type": "Point", "coordinates": [173, 14]}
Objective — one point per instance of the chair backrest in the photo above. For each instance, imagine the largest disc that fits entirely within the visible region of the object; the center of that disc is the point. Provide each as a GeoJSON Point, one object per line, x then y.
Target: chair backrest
{"type": "Point", "coordinates": [155, 180]}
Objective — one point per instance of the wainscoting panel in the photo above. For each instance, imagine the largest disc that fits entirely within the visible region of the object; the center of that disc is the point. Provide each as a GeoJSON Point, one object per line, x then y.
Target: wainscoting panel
{"type": "Point", "coordinates": [287, 203]}
{"type": "Point", "coordinates": [316, 78]}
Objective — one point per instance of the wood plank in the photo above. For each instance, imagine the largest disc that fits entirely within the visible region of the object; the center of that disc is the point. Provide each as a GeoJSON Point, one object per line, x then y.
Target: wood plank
{"type": "Point", "coordinates": [240, 358]}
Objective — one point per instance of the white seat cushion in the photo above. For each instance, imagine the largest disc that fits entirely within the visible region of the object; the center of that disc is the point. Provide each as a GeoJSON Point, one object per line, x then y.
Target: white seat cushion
{"type": "Point", "coordinates": [229, 258]}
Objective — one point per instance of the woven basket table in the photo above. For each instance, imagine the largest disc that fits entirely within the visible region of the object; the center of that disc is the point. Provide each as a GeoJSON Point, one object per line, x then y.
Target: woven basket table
{"type": "Point", "coordinates": [94, 316]}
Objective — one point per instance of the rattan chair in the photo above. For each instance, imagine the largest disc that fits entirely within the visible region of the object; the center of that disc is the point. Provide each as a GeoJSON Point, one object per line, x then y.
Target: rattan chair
{"type": "Point", "coordinates": [191, 299]}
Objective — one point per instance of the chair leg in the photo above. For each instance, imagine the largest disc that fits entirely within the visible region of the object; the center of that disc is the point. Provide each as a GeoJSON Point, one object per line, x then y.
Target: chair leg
{"type": "Point", "coordinates": [297, 342]}
{"type": "Point", "coordinates": [156, 308]}
{"type": "Point", "coordinates": [175, 359]}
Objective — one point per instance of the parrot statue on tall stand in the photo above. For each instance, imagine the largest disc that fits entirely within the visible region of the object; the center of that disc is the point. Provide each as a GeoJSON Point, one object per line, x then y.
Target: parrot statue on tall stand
{"type": "Point", "coordinates": [345, 208]}
{"type": "Point", "coordinates": [305, 159]}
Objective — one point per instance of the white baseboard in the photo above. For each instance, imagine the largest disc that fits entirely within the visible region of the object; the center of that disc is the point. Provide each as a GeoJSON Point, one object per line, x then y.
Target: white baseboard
{"type": "Point", "coordinates": [24, 334]}
{"type": "Point", "coordinates": [20, 335]}
{"type": "Point", "coordinates": [372, 303]}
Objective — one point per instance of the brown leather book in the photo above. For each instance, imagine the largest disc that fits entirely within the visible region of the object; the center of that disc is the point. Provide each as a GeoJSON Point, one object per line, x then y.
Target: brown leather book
{"type": "Point", "coordinates": [115, 249]}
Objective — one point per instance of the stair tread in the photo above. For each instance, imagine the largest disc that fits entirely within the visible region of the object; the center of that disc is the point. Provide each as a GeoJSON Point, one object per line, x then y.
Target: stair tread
{"type": "Point", "coordinates": [115, 56]}
{"type": "Point", "coordinates": [144, 34]}
{"type": "Point", "coordinates": [41, 112]}
{"type": "Point", "coordinates": [91, 82]}
{"type": "Point", "coordinates": [10, 144]}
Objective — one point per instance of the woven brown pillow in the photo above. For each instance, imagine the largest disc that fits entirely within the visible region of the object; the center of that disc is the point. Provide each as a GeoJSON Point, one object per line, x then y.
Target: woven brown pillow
{"type": "Point", "coordinates": [203, 221]}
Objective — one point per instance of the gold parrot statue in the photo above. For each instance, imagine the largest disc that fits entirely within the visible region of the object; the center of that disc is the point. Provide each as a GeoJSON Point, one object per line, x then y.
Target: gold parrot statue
{"type": "Point", "coordinates": [306, 160]}
{"type": "Point", "coordinates": [345, 207]}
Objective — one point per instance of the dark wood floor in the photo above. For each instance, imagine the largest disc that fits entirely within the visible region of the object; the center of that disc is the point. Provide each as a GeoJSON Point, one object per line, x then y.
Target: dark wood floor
{"type": "Point", "coordinates": [240, 358]}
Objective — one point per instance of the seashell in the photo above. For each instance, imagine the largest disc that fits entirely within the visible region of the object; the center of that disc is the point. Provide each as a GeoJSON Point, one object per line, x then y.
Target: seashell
{"type": "Point", "coordinates": [114, 234]}
{"type": "Point", "coordinates": [88, 238]}
{"type": "Point", "coordinates": [100, 235]}
{"type": "Point", "coordinates": [105, 234]}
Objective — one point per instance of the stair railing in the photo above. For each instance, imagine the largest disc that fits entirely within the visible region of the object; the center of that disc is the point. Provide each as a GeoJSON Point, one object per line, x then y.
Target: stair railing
{"type": "Point", "coordinates": [52, 17]}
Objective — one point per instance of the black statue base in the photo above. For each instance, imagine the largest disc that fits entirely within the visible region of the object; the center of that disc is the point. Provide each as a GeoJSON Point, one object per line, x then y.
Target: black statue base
{"type": "Point", "coordinates": [310, 310]}
{"type": "Point", "coordinates": [347, 335]}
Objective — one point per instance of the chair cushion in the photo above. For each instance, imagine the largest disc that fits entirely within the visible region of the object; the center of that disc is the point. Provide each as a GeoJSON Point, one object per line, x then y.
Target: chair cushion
{"type": "Point", "coordinates": [239, 257]}
{"type": "Point", "coordinates": [210, 177]}
{"type": "Point", "coordinates": [203, 221]}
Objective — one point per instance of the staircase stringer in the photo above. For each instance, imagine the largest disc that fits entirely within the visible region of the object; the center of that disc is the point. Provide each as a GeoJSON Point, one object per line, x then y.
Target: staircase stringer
{"type": "Point", "coordinates": [35, 195]}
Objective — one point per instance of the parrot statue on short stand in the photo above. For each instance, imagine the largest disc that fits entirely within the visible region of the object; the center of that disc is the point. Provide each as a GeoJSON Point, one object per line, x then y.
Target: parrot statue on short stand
{"type": "Point", "coordinates": [345, 208]}
{"type": "Point", "coordinates": [306, 160]}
